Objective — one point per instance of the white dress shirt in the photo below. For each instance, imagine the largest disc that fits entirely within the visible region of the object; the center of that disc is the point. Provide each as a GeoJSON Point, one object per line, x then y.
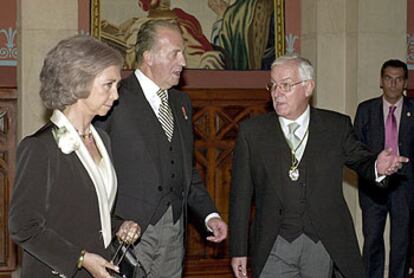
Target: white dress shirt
{"type": "Point", "coordinates": [150, 90]}
{"type": "Point", "coordinates": [103, 176]}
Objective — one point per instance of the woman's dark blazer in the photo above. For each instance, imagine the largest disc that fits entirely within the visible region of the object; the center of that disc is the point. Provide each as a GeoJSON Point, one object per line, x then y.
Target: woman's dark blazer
{"type": "Point", "coordinates": [54, 210]}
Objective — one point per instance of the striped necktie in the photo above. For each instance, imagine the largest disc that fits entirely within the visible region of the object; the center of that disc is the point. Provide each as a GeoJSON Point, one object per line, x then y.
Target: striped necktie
{"type": "Point", "coordinates": [293, 139]}
{"type": "Point", "coordinates": [165, 115]}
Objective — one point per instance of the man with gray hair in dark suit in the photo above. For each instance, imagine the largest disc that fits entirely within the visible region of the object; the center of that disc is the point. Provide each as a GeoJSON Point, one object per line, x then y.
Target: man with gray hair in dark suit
{"type": "Point", "coordinates": [290, 162]}
{"type": "Point", "coordinates": [152, 143]}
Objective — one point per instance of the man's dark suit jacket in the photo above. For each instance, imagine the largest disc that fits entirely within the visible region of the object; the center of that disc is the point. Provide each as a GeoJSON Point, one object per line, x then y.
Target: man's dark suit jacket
{"type": "Point", "coordinates": [257, 172]}
{"type": "Point", "coordinates": [54, 212]}
{"type": "Point", "coordinates": [369, 128]}
{"type": "Point", "coordinates": [399, 193]}
{"type": "Point", "coordinates": [134, 129]}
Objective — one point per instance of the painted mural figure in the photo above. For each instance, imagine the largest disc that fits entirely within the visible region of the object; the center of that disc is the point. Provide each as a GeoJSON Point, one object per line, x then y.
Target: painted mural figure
{"type": "Point", "coordinates": [199, 52]}
{"type": "Point", "coordinates": [243, 37]}
{"type": "Point", "coordinates": [245, 32]}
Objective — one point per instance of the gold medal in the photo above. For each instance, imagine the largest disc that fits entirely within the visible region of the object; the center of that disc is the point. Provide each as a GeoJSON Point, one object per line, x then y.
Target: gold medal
{"type": "Point", "coordinates": [294, 171]}
{"type": "Point", "coordinates": [294, 174]}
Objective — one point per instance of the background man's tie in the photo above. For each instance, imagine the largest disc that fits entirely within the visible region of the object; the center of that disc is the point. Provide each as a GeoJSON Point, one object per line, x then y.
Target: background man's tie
{"type": "Point", "coordinates": [391, 134]}
{"type": "Point", "coordinates": [165, 115]}
{"type": "Point", "coordinates": [293, 139]}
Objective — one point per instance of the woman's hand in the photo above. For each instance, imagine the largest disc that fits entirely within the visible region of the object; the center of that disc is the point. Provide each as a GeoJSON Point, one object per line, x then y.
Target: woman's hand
{"type": "Point", "coordinates": [129, 232]}
{"type": "Point", "coordinates": [98, 266]}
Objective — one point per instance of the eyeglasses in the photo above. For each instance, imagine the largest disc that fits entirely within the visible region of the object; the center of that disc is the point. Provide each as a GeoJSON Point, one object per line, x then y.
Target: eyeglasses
{"type": "Point", "coordinates": [285, 87]}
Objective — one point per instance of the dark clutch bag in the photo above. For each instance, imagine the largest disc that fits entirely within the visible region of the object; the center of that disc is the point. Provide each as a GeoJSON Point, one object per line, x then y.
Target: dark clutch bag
{"type": "Point", "coordinates": [124, 257]}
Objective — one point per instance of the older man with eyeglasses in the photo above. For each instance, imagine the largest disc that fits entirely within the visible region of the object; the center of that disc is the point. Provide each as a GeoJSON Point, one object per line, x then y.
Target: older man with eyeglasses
{"type": "Point", "coordinates": [289, 163]}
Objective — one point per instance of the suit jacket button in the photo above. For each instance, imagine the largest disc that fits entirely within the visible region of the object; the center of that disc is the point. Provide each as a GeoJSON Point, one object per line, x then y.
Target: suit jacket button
{"type": "Point", "coordinates": [160, 188]}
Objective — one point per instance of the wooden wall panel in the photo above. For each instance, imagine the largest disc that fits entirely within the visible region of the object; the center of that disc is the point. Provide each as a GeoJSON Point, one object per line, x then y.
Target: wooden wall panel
{"type": "Point", "coordinates": [216, 117]}
{"type": "Point", "coordinates": [7, 162]}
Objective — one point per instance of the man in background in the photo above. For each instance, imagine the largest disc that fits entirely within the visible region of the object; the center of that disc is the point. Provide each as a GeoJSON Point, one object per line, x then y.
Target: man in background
{"type": "Point", "coordinates": [388, 122]}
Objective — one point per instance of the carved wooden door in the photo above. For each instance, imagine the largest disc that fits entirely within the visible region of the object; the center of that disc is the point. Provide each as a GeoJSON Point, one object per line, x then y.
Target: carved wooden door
{"type": "Point", "coordinates": [7, 161]}
{"type": "Point", "coordinates": [216, 117]}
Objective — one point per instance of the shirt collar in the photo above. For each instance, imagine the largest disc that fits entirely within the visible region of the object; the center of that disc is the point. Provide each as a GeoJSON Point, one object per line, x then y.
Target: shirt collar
{"type": "Point", "coordinates": [302, 120]}
{"type": "Point", "coordinates": [148, 86]}
{"type": "Point", "coordinates": [397, 105]}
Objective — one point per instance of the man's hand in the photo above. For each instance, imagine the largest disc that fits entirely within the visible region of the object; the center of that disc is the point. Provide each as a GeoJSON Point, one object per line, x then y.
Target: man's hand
{"type": "Point", "coordinates": [218, 228]}
{"type": "Point", "coordinates": [388, 163]}
{"type": "Point", "coordinates": [129, 232]}
{"type": "Point", "coordinates": [239, 266]}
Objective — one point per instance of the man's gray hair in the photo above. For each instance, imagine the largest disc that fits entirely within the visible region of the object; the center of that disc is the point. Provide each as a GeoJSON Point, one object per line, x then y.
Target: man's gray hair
{"type": "Point", "coordinates": [147, 36]}
{"type": "Point", "coordinates": [306, 70]}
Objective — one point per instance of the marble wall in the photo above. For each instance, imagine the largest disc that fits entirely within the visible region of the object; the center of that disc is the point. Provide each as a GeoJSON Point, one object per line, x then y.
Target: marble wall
{"type": "Point", "coordinates": [40, 24]}
{"type": "Point", "coordinates": [347, 41]}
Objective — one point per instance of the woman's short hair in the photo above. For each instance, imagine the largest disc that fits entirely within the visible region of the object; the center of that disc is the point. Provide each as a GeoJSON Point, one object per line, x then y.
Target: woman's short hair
{"type": "Point", "coordinates": [147, 36]}
{"type": "Point", "coordinates": [70, 68]}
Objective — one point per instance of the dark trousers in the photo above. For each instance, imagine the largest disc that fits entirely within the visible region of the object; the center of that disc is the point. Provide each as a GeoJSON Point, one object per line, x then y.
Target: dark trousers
{"type": "Point", "coordinates": [376, 205]}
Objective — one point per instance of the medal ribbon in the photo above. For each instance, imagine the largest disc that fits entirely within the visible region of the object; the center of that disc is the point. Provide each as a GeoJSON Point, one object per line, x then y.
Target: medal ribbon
{"type": "Point", "coordinates": [295, 163]}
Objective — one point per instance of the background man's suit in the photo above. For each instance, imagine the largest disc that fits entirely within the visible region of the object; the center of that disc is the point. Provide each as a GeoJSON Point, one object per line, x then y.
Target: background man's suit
{"type": "Point", "coordinates": [137, 142]}
{"type": "Point", "coordinates": [261, 163]}
{"type": "Point", "coordinates": [397, 197]}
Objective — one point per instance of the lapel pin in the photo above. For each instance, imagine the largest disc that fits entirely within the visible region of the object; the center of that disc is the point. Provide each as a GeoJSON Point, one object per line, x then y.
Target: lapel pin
{"type": "Point", "coordinates": [408, 114]}
{"type": "Point", "coordinates": [184, 112]}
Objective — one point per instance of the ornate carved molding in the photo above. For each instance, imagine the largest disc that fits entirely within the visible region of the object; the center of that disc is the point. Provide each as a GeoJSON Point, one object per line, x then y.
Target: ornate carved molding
{"type": "Point", "coordinates": [8, 103]}
{"type": "Point", "coordinates": [8, 51]}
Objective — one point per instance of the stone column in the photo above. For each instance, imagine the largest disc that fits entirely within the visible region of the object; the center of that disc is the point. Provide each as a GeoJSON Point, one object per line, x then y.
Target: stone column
{"type": "Point", "coordinates": [347, 41]}
{"type": "Point", "coordinates": [40, 24]}
{"type": "Point", "coordinates": [382, 35]}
